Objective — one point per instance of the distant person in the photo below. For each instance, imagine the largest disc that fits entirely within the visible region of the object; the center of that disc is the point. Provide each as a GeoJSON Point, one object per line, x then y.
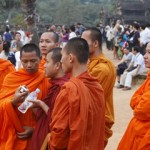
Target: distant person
{"type": "Point", "coordinates": [7, 36]}
{"type": "Point", "coordinates": [72, 33]}
{"type": "Point", "coordinates": [137, 134]}
{"type": "Point", "coordinates": [135, 67]}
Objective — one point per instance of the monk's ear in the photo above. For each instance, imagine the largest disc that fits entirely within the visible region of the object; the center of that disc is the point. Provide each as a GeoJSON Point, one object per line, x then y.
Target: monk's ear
{"type": "Point", "coordinates": [95, 43]}
{"type": "Point", "coordinates": [71, 58]}
{"type": "Point", "coordinates": [58, 65]}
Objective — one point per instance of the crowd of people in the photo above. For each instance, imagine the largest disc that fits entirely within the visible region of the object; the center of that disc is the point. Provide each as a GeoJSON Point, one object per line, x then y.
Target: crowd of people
{"type": "Point", "coordinates": [74, 109]}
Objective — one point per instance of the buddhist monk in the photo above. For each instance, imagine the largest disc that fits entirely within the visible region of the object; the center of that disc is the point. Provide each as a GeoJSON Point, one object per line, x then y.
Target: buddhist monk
{"type": "Point", "coordinates": [5, 67]}
{"type": "Point", "coordinates": [54, 71]}
{"type": "Point", "coordinates": [48, 40]}
{"type": "Point", "coordinates": [16, 128]}
{"type": "Point", "coordinates": [78, 114]}
{"type": "Point", "coordinates": [137, 135]}
{"type": "Point", "coordinates": [102, 69]}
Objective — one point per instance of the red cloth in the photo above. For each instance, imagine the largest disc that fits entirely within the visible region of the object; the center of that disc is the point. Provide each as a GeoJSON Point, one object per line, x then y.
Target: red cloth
{"type": "Point", "coordinates": [78, 115]}
{"type": "Point", "coordinates": [43, 120]}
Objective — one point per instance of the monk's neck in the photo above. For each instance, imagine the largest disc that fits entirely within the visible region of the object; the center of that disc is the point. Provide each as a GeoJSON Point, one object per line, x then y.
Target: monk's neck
{"type": "Point", "coordinates": [96, 53]}
{"type": "Point", "coordinates": [79, 70]}
{"type": "Point", "coordinates": [60, 74]}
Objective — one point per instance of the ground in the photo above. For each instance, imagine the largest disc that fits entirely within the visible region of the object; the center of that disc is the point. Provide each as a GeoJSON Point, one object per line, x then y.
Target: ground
{"type": "Point", "coordinates": [122, 110]}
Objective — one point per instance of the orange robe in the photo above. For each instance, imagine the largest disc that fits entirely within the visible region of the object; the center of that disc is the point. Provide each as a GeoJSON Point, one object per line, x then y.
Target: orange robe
{"type": "Point", "coordinates": [102, 69]}
{"type": "Point", "coordinates": [42, 63]}
{"type": "Point", "coordinates": [5, 67]}
{"type": "Point", "coordinates": [78, 115]}
{"type": "Point", "coordinates": [11, 120]}
{"type": "Point", "coordinates": [137, 135]}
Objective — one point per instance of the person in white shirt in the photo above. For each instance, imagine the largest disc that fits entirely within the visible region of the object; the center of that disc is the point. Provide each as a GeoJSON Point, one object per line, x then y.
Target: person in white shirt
{"type": "Point", "coordinates": [72, 33]}
{"type": "Point", "coordinates": [124, 63]}
{"type": "Point", "coordinates": [136, 67]}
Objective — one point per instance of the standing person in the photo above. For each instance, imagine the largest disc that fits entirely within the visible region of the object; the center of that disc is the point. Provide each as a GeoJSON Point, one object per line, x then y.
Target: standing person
{"type": "Point", "coordinates": [16, 128]}
{"type": "Point", "coordinates": [5, 68]}
{"type": "Point", "coordinates": [78, 115]}
{"type": "Point", "coordinates": [101, 68]}
{"type": "Point", "coordinates": [53, 70]}
{"type": "Point", "coordinates": [48, 40]}
{"type": "Point", "coordinates": [7, 35]}
{"type": "Point", "coordinates": [137, 135]}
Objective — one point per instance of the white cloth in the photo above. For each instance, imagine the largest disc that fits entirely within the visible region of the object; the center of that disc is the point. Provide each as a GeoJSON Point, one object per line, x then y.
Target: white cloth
{"type": "Point", "coordinates": [72, 35]}
{"type": "Point", "coordinates": [18, 61]}
{"type": "Point", "coordinates": [3, 55]}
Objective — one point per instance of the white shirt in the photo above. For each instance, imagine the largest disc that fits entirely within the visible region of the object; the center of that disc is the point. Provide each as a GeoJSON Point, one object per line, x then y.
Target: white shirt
{"type": "Point", "coordinates": [139, 60]}
{"type": "Point", "coordinates": [72, 35]}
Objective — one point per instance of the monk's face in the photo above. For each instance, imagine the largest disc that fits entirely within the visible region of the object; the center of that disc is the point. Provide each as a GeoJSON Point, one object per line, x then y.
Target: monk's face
{"type": "Point", "coordinates": [47, 42]}
{"type": "Point", "coordinates": [147, 56]}
{"type": "Point", "coordinates": [51, 68]}
{"type": "Point", "coordinates": [30, 61]}
{"type": "Point", "coordinates": [87, 36]}
{"type": "Point", "coordinates": [66, 61]}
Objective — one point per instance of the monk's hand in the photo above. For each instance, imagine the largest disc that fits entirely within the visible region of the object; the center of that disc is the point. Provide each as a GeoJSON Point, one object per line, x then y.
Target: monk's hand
{"type": "Point", "coordinates": [36, 103]}
{"type": "Point", "coordinates": [19, 96]}
{"type": "Point", "coordinates": [26, 134]}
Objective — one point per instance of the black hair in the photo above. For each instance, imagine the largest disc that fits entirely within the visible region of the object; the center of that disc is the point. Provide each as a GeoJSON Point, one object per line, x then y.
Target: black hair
{"type": "Point", "coordinates": [56, 54]}
{"type": "Point", "coordinates": [6, 47]}
{"type": "Point", "coordinates": [95, 35]}
{"type": "Point", "coordinates": [136, 48]}
{"type": "Point", "coordinates": [79, 47]}
{"type": "Point", "coordinates": [30, 48]}
{"type": "Point", "coordinates": [72, 28]}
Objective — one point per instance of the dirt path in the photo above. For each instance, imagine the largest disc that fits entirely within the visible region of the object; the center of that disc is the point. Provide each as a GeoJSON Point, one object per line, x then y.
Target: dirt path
{"type": "Point", "coordinates": [123, 112]}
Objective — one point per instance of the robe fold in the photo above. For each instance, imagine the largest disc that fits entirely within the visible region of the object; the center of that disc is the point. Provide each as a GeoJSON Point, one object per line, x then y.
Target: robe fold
{"type": "Point", "coordinates": [11, 120]}
{"type": "Point", "coordinates": [5, 67]}
{"type": "Point", "coordinates": [104, 71]}
{"type": "Point", "coordinates": [43, 120]}
{"type": "Point", "coordinates": [137, 135]}
{"type": "Point", "coordinates": [78, 115]}
{"type": "Point", "coordinates": [42, 63]}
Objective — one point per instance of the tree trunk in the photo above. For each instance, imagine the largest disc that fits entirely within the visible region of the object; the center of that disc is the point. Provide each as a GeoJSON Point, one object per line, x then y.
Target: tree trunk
{"type": "Point", "coordinates": [29, 8]}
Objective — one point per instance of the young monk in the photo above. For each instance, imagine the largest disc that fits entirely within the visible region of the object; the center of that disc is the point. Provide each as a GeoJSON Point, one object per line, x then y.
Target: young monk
{"type": "Point", "coordinates": [78, 114]}
{"type": "Point", "coordinates": [5, 67]}
{"type": "Point", "coordinates": [48, 40]}
{"type": "Point", "coordinates": [54, 71]}
{"type": "Point", "coordinates": [102, 69]}
{"type": "Point", "coordinates": [137, 135]}
{"type": "Point", "coordinates": [16, 128]}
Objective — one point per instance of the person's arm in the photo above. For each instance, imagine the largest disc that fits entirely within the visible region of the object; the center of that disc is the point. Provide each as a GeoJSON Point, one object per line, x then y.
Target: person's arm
{"type": "Point", "coordinates": [39, 103]}
{"type": "Point", "coordinates": [137, 69]}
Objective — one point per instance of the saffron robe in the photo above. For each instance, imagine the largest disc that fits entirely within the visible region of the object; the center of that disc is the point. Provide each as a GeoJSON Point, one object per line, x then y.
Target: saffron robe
{"type": "Point", "coordinates": [43, 120]}
{"type": "Point", "coordinates": [5, 67]}
{"type": "Point", "coordinates": [42, 63]}
{"type": "Point", "coordinates": [78, 115]}
{"type": "Point", "coordinates": [104, 71]}
{"type": "Point", "coordinates": [11, 120]}
{"type": "Point", "coordinates": [137, 135]}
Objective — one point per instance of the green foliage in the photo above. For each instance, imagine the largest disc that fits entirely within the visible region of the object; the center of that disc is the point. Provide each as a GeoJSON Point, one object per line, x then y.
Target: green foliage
{"type": "Point", "coordinates": [57, 11]}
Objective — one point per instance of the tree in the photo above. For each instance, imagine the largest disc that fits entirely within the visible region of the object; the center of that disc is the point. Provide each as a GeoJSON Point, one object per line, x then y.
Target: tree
{"type": "Point", "coordinates": [31, 18]}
